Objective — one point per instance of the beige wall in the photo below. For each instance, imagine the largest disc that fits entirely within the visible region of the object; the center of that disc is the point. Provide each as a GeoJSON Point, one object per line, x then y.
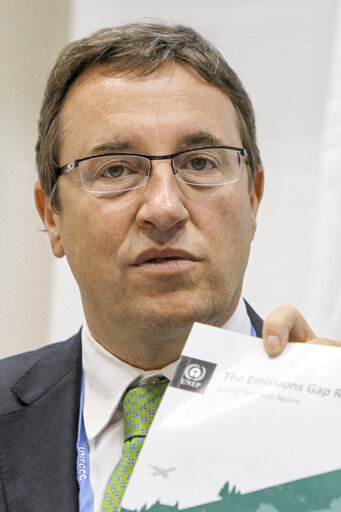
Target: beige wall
{"type": "Point", "coordinates": [31, 34]}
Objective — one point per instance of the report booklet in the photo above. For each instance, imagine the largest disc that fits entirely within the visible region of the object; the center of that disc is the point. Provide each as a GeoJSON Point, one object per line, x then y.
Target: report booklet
{"type": "Point", "coordinates": [238, 431]}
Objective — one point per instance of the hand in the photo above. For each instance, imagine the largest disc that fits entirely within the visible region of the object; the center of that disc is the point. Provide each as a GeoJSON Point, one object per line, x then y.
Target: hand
{"type": "Point", "coordinates": [287, 324]}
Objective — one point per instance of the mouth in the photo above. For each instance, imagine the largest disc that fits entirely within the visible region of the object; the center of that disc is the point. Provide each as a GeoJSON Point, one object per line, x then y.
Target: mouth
{"type": "Point", "coordinates": [160, 260]}
{"type": "Point", "coordinates": [165, 261]}
{"type": "Point", "coordinates": [163, 255]}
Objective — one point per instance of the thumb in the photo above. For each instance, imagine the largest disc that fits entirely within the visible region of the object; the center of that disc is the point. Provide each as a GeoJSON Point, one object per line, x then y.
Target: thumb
{"type": "Point", "coordinates": [283, 325]}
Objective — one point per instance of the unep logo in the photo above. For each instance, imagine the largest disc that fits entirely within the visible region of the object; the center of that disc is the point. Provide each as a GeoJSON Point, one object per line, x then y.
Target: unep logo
{"type": "Point", "coordinates": [193, 374]}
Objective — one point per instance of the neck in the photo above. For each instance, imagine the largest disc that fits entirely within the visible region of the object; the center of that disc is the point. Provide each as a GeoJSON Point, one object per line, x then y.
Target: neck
{"type": "Point", "coordinates": [144, 343]}
{"type": "Point", "coordinates": [146, 350]}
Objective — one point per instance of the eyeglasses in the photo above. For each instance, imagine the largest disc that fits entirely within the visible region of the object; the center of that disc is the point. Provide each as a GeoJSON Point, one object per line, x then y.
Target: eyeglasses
{"type": "Point", "coordinates": [205, 166]}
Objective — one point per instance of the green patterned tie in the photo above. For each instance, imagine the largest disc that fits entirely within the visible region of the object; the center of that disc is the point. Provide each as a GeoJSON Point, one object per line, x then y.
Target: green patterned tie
{"type": "Point", "coordinates": [139, 407]}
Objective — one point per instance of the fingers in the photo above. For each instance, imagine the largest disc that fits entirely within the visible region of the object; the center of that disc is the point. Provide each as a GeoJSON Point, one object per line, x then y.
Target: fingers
{"type": "Point", "coordinates": [283, 325]}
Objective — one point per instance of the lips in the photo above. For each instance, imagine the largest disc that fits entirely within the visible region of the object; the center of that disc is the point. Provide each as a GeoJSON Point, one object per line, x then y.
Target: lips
{"type": "Point", "coordinates": [161, 255]}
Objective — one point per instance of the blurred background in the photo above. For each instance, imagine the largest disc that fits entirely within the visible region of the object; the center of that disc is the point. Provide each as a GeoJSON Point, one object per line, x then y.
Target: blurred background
{"type": "Point", "coordinates": [288, 55]}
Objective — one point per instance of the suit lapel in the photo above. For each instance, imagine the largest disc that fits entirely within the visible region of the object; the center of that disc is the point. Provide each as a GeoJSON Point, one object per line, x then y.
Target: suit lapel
{"type": "Point", "coordinates": [256, 320]}
{"type": "Point", "coordinates": [38, 437]}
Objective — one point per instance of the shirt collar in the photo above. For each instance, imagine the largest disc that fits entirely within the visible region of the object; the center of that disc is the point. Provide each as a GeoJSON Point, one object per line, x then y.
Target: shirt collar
{"type": "Point", "coordinates": [106, 377]}
{"type": "Point", "coordinates": [105, 380]}
{"type": "Point", "coordinates": [240, 320]}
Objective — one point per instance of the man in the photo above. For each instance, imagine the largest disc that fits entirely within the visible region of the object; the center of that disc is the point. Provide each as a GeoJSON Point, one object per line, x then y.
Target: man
{"type": "Point", "coordinates": [149, 182]}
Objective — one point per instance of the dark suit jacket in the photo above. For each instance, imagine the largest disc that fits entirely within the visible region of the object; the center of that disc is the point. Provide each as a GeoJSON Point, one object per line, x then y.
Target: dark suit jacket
{"type": "Point", "coordinates": [39, 407]}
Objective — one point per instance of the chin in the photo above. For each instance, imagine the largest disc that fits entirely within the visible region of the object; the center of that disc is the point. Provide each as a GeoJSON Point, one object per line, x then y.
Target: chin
{"type": "Point", "coordinates": [181, 317]}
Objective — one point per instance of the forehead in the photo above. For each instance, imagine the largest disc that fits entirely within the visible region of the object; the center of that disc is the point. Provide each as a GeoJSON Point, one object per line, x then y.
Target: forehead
{"type": "Point", "coordinates": [155, 113]}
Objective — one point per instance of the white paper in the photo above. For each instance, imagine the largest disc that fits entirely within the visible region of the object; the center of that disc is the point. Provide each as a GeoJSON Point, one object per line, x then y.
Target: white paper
{"type": "Point", "coordinates": [260, 422]}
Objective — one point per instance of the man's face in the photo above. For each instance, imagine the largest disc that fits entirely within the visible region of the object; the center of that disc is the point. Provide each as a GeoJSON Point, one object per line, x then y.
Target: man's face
{"type": "Point", "coordinates": [115, 244]}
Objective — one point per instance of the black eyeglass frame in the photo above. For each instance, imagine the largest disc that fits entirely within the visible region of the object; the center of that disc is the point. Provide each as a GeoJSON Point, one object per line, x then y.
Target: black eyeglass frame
{"type": "Point", "coordinates": [75, 163]}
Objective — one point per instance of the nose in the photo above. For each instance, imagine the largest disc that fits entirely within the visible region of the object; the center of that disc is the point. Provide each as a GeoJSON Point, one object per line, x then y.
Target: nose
{"type": "Point", "coordinates": [163, 200]}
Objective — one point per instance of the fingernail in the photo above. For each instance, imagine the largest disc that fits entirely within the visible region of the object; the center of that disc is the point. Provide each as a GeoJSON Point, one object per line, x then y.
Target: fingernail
{"type": "Point", "coordinates": [273, 345]}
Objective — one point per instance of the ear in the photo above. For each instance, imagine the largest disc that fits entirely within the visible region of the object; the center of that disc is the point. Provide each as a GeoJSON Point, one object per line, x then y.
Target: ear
{"type": "Point", "coordinates": [50, 219]}
{"type": "Point", "coordinates": [256, 193]}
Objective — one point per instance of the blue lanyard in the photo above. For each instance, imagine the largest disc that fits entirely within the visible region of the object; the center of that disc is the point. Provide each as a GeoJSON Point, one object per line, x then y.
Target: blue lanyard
{"type": "Point", "coordinates": [83, 463]}
{"type": "Point", "coordinates": [253, 332]}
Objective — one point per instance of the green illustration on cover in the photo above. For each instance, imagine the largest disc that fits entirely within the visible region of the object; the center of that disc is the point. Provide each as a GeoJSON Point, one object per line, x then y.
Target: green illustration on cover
{"type": "Point", "coordinates": [320, 493]}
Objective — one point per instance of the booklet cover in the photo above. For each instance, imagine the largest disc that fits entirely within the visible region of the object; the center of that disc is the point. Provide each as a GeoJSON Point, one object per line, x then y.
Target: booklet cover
{"type": "Point", "coordinates": [237, 431]}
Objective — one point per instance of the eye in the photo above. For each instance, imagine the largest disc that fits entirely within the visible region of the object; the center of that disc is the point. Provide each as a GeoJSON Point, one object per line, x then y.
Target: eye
{"type": "Point", "coordinates": [116, 167]}
{"type": "Point", "coordinates": [114, 171]}
{"type": "Point", "coordinates": [196, 162]}
{"type": "Point", "coordinates": [199, 164]}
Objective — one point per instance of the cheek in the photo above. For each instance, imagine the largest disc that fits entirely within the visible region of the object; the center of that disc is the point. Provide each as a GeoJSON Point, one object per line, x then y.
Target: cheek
{"type": "Point", "coordinates": [230, 226]}
{"type": "Point", "coordinates": [222, 215]}
{"type": "Point", "coordinates": [93, 234]}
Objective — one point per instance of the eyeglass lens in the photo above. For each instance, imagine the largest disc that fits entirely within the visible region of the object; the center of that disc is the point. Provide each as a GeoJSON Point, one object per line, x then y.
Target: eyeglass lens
{"type": "Point", "coordinates": [202, 167]}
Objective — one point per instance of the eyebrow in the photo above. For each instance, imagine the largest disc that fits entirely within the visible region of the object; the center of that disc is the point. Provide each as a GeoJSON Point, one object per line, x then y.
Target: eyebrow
{"type": "Point", "coordinates": [111, 146]}
{"type": "Point", "coordinates": [201, 138]}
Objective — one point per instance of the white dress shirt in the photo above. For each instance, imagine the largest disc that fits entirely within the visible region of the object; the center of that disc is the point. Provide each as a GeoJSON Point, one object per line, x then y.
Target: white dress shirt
{"type": "Point", "coordinates": [105, 380]}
